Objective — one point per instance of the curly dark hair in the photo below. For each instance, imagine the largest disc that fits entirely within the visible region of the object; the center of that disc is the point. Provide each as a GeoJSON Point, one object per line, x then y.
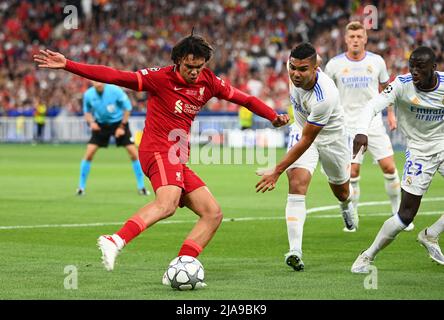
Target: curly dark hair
{"type": "Point", "coordinates": [303, 51]}
{"type": "Point", "coordinates": [195, 45]}
{"type": "Point", "coordinates": [424, 51]}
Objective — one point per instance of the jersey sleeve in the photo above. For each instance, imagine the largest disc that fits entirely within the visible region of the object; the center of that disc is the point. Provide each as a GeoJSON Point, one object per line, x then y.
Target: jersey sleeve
{"type": "Point", "coordinates": [383, 74]}
{"type": "Point", "coordinates": [147, 80]}
{"type": "Point", "coordinates": [103, 74]}
{"type": "Point", "coordinates": [221, 89]}
{"type": "Point", "coordinates": [225, 91]}
{"type": "Point", "coordinates": [387, 97]}
{"type": "Point", "coordinates": [321, 111]}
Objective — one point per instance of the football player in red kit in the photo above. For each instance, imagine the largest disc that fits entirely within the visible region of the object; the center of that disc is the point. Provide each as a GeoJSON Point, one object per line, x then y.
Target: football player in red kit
{"type": "Point", "coordinates": [176, 94]}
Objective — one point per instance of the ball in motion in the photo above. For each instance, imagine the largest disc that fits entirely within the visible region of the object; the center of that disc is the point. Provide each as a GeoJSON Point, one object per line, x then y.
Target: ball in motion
{"type": "Point", "coordinates": [185, 273]}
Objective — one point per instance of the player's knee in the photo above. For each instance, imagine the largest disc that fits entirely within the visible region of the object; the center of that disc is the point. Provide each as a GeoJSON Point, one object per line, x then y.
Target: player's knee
{"type": "Point", "coordinates": [297, 187]}
{"type": "Point", "coordinates": [387, 165]}
{"type": "Point", "coordinates": [214, 214]}
{"type": "Point", "coordinates": [167, 209]}
{"type": "Point", "coordinates": [217, 215]}
{"type": "Point", "coordinates": [389, 169]}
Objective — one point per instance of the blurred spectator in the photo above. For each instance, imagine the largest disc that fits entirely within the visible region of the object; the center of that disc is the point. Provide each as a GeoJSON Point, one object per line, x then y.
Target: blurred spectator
{"type": "Point", "coordinates": [39, 119]}
{"type": "Point", "coordinates": [248, 35]}
{"type": "Point", "coordinates": [245, 118]}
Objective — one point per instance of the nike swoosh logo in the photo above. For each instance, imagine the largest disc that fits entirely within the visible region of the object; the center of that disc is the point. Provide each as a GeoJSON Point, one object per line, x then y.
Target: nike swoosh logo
{"type": "Point", "coordinates": [177, 88]}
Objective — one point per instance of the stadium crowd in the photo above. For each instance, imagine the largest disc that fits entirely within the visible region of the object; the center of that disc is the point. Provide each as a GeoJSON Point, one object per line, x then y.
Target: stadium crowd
{"type": "Point", "coordinates": [252, 40]}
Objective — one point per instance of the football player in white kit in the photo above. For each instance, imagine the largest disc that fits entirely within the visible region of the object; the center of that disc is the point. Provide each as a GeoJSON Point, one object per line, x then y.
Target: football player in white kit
{"type": "Point", "coordinates": [358, 74]}
{"type": "Point", "coordinates": [418, 99]}
{"type": "Point", "coordinates": [318, 133]}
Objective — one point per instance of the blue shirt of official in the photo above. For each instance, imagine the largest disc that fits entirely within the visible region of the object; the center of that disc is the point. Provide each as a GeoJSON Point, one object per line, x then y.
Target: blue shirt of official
{"type": "Point", "coordinates": [106, 107]}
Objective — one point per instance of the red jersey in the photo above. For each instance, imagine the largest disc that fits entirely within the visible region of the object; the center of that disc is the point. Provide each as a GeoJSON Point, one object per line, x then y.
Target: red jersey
{"type": "Point", "coordinates": [173, 103]}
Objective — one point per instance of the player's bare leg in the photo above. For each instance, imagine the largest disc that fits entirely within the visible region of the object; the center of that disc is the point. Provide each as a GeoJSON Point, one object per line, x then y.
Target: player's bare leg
{"type": "Point", "coordinates": [344, 193]}
{"type": "Point", "coordinates": [164, 205]}
{"type": "Point", "coordinates": [390, 229]}
{"type": "Point", "coordinates": [392, 185]}
{"type": "Point", "coordinates": [137, 169]}
{"type": "Point", "coordinates": [132, 151]}
{"type": "Point", "coordinates": [354, 181]}
{"type": "Point", "coordinates": [202, 203]}
{"type": "Point", "coordinates": [295, 213]}
{"type": "Point", "coordinates": [91, 150]}
{"type": "Point", "coordinates": [85, 167]}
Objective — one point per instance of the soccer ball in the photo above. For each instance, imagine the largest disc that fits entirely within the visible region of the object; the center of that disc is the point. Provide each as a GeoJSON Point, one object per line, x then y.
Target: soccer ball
{"type": "Point", "coordinates": [184, 273]}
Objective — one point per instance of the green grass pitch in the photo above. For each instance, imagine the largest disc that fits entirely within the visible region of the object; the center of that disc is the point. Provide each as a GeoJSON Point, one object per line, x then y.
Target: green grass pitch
{"type": "Point", "coordinates": [245, 260]}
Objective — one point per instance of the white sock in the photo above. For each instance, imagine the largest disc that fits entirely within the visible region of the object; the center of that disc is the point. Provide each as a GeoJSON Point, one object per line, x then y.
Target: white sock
{"type": "Point", "coordinates": [437, 228]}
{"type": "Point", "coordinates": [391, 227]}
{"type": "Point", "coordinates": [349, 201]}
{"type": "Point", "coordinates": [119, 241]}
{"type": "Point", "coordinates": [295, 214]}
{"type": "Point", "coordinates": [393, 189]}
{"type": "Point", "coordinates": [347, 205]}
{"type": "Point", "coordinates": [356, 192]}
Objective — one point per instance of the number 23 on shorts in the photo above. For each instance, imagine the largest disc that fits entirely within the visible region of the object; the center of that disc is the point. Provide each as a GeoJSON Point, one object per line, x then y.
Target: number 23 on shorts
{"type": "Point", "coordinates": [412, 168]}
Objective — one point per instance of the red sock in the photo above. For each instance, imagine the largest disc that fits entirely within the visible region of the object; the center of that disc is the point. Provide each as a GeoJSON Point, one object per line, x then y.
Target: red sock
{"type": "Point", "coordinates": [131, 229]}
{"type": "Point", "coordinates": [190, 248]}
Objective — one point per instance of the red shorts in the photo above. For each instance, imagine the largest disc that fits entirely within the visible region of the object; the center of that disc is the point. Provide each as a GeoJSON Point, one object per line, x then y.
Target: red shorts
{"type": "Point", "coordinates": [162, 172]}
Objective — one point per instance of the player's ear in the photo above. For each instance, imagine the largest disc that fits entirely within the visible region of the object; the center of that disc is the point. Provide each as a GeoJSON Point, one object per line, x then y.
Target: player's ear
{"type": "Point", "coordinates": [177, 61]}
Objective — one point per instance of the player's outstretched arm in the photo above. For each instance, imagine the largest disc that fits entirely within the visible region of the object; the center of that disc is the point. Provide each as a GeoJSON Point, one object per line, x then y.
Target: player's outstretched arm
{"type": "Point", "coordinates": [258, 107]}
{"type": "Point", "coordinates": [391, 118]}
{"type": "Point", "coordinates": [269, 179]}
{"type": "Point", "coordinates": [55, 60]}
{"type": "Point", "coordinates": [281, 120]}
{"type": "Point", "coordinates": [50, 59]}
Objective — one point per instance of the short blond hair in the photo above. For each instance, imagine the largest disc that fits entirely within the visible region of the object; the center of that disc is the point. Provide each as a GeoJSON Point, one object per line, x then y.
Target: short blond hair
{"type": "Point", "coordinates": [355, 25]}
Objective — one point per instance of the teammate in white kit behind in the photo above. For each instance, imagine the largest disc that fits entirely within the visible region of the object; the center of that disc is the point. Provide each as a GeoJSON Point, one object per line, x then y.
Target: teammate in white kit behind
{"type": "Point", "coordinates": [418, 99]}
{"type": "Point", "coordinates": [318, 133]}
{"type": "Point", "coordinates": [358, 74]}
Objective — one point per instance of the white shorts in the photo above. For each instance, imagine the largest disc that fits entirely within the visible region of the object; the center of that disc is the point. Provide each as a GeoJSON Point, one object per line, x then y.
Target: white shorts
{"type": "Point", "coordinates": [379, 144]}
{"type": "Point", "coordinates": [419, 171]}
{"type": "Point", "coordinates": [335, 156]}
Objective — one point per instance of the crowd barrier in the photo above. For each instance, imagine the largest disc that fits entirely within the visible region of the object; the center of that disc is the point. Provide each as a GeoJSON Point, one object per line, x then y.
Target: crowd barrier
{"type": "Point", "coordinates": [215, 129]}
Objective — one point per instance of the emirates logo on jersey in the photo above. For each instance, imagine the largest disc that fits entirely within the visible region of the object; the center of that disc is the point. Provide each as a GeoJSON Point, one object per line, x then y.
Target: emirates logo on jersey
{"type": "Point", "coordinates": [178, 108]}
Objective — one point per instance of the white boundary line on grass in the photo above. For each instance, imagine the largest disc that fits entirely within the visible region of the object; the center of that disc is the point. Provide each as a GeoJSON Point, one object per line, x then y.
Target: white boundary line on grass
{"type": "Point", "coordinates": [317, 209]}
